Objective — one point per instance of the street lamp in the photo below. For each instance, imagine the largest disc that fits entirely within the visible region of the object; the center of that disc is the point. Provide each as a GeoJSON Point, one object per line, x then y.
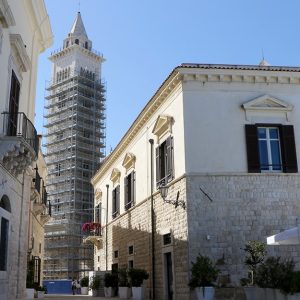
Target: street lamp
{"type": "Point", "coordinates": [163, 189]}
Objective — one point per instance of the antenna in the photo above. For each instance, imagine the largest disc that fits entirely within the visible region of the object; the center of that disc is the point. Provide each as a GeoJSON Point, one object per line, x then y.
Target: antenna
{"type": "Point", "coordinates": [79, 5]}
{"type": "Point", "coordinates": [262, 52]}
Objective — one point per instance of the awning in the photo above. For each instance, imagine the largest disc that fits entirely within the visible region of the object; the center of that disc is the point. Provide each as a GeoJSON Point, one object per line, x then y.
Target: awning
{"type": "Point", "coordinates": [286, 237]}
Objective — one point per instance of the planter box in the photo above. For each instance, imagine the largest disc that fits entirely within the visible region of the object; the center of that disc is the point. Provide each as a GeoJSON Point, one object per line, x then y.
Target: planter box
{"type": "Point", "coordinates": [29, 294]}
{"type": "Point", "coordinates": [109, 292]}
{"type": "Point", "coordinates": [41, 294]}
{"type": "Point", "coordinates": [293, 297]}
{"type": "Point", "coordinates": [138, 293]}
{"type": "Point", "coordinates": [84, 290]}
{"type": "Point", "coordinates": [205, 293]}
{"type": "Point", "coordinates": [254, 293]}
{"type": "Point", "coordinates": [124, 292]}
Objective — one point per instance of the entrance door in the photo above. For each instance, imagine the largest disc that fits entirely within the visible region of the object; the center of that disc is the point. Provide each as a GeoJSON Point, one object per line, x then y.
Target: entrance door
{"type": "Point", "coordinates": [169, 276]}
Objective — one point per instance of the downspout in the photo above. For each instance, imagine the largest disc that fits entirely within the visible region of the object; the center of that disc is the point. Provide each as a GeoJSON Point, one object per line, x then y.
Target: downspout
{"type": "Point", "coordinates": [107, 187]}
{"type": "Point", "coordinates": [20, 235]}
{"type": "Point", "coordinates": [152, 220]}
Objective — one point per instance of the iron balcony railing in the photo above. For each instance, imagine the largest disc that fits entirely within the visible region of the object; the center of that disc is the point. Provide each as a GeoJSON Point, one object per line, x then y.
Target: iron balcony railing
{"type": "Point", "coordinates": [17, 124]}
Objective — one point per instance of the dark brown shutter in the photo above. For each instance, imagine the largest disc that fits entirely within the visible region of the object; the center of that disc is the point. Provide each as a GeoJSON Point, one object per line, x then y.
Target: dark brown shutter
{"type": "Point", "coordinates": [126, 191]}
{"type": "Point", "coordinates": [118, 199]}
{"type": "Point", "coordinates": [158, 158]}
{"type": "Point", "coordinates": [132, 188]}
{"type": "Point", "coordinates": [288, 149]}
{"type": "Point", "coordinates": [113, 197]}
{"type": "Point", "coordinates": [169, 158]}
{"type": "Point", "coordinates": [252, 149]}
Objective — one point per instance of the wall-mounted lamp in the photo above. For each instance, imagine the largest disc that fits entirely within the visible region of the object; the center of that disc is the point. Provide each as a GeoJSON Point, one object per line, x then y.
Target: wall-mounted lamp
{"type": "Point", "coordinates": [163, 189]}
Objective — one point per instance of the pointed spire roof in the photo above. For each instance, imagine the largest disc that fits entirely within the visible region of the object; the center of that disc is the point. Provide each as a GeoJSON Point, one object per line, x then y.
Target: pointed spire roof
{"type": "Point", "coordinates": [78, 27]}
{"type": "Point", "coordinates": [264, 63]}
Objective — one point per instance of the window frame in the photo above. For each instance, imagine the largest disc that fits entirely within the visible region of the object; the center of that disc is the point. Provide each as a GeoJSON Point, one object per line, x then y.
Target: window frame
{"type": "Point", "coordinates": [115, 201]}
{"type": "Point", "coordinates": [164, 154]}
{"type": "Point", "coordinates": [129, 190]}
{"type": "Point", "coordinates": [287, 147]}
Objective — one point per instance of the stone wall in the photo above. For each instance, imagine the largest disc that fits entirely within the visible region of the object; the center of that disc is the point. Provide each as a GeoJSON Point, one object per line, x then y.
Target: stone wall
{"type": "Point", "coordinates": [134, 228]}
{"type": "Point", "coordinates": [244, 207]}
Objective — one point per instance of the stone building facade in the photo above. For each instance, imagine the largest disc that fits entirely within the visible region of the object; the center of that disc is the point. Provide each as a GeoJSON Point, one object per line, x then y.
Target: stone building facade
{"type": "Point", "coordinates": [224, 139]}
{"type": "Point", "coordinates": [24, 33]}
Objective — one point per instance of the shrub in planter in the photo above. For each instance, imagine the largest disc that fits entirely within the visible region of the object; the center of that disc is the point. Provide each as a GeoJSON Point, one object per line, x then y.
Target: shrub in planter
{"type": "Point", "coordinates": [110, 284]}
{"type": "Point", "coordinates": [84, 283]}
{"type": "Point", "coordinates": [204, 274]}
{"type": "Point", "coordinates": [137, 276]}
{"type": "Point", "coordinates": [124, 291]}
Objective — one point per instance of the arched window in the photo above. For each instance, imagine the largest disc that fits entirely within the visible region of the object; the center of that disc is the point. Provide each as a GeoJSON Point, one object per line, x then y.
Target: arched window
{"type": "Point", "coordinates": [5, 203]}
{"type": "Point", "coordinates": [77, 41]}
{"type": "Point", "coordinates": [67, 44]}
{"type": "Point", "coordinates": [86, 45]}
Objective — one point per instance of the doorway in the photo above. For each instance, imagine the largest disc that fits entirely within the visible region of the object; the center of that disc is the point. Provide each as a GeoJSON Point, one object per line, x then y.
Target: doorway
{"type": "Point", "coordinates": [168, 275]}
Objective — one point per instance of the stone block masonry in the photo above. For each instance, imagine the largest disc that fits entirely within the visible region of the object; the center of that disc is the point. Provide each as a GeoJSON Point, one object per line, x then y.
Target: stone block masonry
{"type": "Point", "coordinates": [244, 207]}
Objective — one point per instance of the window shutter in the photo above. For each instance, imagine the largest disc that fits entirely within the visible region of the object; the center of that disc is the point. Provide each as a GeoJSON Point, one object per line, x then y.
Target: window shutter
{"type": "Point", "coordinates": [113, 201]}
{"type": "Point", "coordinates": [252, 149]}
{"type": "Point", "coordinates": [289, 156]}
{"type": "Point", "coordinates": [132, 188]}
{"type": "Point", "coordinates": [126, 190]}
{"type": "Point", "coordinates": [169, 158]}
{"type": "Point", "coordinates": [157, 165]}
{"type": "Point", "coordinates": [118, 199]}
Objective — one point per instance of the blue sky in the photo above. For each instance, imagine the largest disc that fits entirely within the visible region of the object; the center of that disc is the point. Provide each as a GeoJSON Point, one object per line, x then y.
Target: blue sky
{"type": "Point", "coordinates": [144, 40]}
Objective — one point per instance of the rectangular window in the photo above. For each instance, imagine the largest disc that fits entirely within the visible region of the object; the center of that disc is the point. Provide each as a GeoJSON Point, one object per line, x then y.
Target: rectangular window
{"type": "Point", "coordinates": [164, 162]}
{"type": "Point", "coordinates": [130, 250]}
{"type": "Point", "coordinates": [116, 254]}
{"type": "Point", "coordinates": [4, 244]}
{"type": "Point", "coordinates": [271, 148]}
{"type": "Point", "coordinates": [116, 202]}
{"type": "Point", "coordinates": [57, 169]}
{"type": "Point", "coordinates": [13, 105]}
{"type": "Point", "coordinates": [167, 239]}
{"type": "Point", "coordinates": [129, 190]}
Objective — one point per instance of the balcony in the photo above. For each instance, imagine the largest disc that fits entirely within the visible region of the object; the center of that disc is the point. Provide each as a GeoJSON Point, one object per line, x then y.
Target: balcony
{"type": "Point", "coordinates": [19, 142]}
{"type": "Point", "coordinates": [93, 232]}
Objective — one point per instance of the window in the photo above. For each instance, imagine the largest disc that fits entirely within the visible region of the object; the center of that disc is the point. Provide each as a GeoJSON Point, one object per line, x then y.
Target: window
{"type": "Point", "coordinates": [129, 190]}
{"type": "Point", "coordinates": [167, 239]}
{"type": "Point", "coordinates": [77, 41]}
{"type": "Point", "coordinates": [164, 162]}
{"type": "Point", "coordinates": [98, 213]}
{"type": "Point", "coordinates": [130, 250]}
{"type": "Point", "coordinates": [271, 148]}
{"type": "Point", "coordinates": [13, 105]}
{"type": "Point", "coordinates": [57, 169]}
{"type": "Point", "coordinates": [3, 244]}
{"type": "Point", "coordinates": [116, 202]}
{"type": "Point", "coordinates": [85, 166]}
{"type": "Point", "coordinates": [116, 254]}
{"type": "Point", "coordinates": [130, 264]}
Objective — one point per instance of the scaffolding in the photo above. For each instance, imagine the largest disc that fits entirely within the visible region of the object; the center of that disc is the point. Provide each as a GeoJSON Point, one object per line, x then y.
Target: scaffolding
{"type": "Point", "coordinates": [75, 132]}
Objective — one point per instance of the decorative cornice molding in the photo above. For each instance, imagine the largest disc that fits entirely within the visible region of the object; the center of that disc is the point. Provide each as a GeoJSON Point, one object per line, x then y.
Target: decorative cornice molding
{"type": "Point", "coordinates": [162, 125]}
{"type": "Point", "coordinates": [115, 175]}
{"type": "Point", "coordinates": [20, 52]}
{"type": "Point", "coordinates": [6, 16]}
{"type": "Point", "coordinates": [129, 161]}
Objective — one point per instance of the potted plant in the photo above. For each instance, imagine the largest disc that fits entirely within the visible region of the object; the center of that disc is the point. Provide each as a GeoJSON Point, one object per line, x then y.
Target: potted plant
{"type": "Point", "coordinates": [137, 276]}
{"type": "Point", "coordinates": [124, 290]}
{"type": "Point", "coordinates": [110, 284]}
{"type": "Point", "coordinates": [255, 254]}
{"type": "Point", "coordinates": [40, 292]}
{"type": "Point", "coordinates": [95, 284]}
{"type": "Point", "coordinates": [84, 282]}
{"type": "Point", "coordinates": [204, 274]}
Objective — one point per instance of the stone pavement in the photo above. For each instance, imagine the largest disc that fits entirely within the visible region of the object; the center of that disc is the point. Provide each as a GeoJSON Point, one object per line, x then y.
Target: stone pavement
{"type": "Point", "coordinates": [73, 297]}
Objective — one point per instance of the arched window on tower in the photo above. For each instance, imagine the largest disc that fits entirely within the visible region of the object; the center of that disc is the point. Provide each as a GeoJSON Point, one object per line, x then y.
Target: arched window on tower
{"type": "Point", "coordinates": [5, 211]}
{"type": "Point", "coordinates": [86, 45]}
{"type": "Point", "coordinates": [77, 41]}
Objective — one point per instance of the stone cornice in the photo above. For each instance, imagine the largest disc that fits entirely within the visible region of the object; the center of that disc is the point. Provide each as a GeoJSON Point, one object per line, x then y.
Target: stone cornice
{"type": "Point", "coordinates": [62, 52]}
{"type": "Point", "coordinates": [6, 16]}
{"type": "Point", "coordinates": [20, 52]}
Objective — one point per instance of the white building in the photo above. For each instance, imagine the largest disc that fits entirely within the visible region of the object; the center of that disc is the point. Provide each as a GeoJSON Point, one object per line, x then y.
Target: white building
{"type": "Point", "coordinates": [24, 33]}
{"type": "Point", "coordinates": [221, 138]}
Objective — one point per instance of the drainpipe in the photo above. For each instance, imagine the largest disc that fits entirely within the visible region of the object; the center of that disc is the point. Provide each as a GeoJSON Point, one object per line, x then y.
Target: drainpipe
{"type": "Point", "coordinates": [152, 220]}
{"type": "Point", "coordinates": [107, 187]}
